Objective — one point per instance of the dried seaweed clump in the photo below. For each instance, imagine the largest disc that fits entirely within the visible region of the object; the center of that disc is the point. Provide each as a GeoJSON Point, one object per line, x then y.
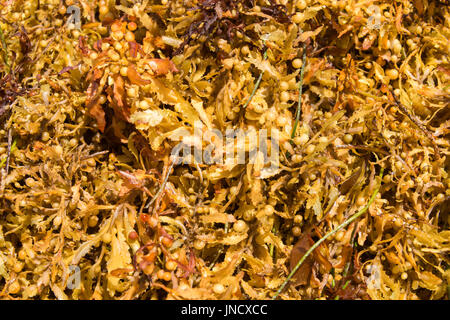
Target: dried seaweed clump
{"type": "Point", "coordinates": [98, 202]}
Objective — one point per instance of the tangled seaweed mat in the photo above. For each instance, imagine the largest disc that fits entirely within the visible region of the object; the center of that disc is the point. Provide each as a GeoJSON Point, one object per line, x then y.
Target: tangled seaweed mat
{"type": "Point", "coordinates": [93, 205]}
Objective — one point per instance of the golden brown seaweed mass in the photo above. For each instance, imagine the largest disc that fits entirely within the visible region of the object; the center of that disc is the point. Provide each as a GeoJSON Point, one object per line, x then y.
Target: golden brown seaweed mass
{"type": "Point", "coordinates": [97, 99]}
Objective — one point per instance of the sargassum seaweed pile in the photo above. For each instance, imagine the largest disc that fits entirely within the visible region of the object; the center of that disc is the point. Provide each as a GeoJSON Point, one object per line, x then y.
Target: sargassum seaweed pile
{"type": "Point", "coordinates": [96, 97]}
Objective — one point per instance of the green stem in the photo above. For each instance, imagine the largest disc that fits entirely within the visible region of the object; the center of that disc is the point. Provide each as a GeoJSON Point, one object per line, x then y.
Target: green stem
{"type": "Point", "coordinates": [13, 148]}
{"type": "Point", "coordinates": [272, 247]}
{"type": "Point", "coordinates": [342, 225]}
{"type": "Point", "coordinates": [346, 284]}
{"type": "Point", "coordinates": [348, 265]}
{"type": "Point", "coordinates": [258, 82]}
{"type": "Point", "coordinates": [4, 48]}
{"type": "Point", "coordinates": [333, 282]}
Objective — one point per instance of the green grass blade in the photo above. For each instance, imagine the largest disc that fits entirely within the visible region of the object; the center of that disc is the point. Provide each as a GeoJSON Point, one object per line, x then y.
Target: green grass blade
{"type": "Point", "coordinates": [258, 82]}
